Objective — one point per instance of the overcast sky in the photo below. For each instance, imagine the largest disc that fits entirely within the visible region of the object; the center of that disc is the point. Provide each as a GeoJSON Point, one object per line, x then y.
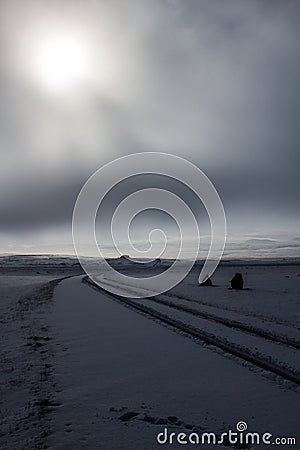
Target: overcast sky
{"type": "Point", "coordinates": [212, 81]}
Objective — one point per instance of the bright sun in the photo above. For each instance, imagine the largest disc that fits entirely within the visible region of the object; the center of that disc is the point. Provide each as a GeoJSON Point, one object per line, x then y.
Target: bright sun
{"type": "Point", "coordinates": [61, 61]}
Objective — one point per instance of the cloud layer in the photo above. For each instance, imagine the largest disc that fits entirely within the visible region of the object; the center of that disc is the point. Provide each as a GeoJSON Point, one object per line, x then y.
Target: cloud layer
{"type": "Point", "coordinates": [214, 82]}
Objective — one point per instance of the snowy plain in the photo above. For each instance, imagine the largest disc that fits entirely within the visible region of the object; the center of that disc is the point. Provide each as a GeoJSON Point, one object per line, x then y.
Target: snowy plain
{"type": "Point", "coordinates": [82, 370]}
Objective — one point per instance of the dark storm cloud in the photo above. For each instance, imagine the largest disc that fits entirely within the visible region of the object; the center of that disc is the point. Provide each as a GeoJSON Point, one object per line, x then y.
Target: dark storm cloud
{"type": "Point", "coordinates": [215, 82]}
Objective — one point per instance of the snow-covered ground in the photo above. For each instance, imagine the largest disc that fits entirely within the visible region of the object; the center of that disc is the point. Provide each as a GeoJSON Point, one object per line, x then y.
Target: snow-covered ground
{"type": "Point", "coordinates": [26, 287]}
{"type": "Point", "coordinates": [81, 369]}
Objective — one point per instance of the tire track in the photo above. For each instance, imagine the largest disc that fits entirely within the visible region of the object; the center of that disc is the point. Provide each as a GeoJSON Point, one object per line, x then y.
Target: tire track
{"type": "Point", "coordinates": [267, 364]}
{"type": "Point", "coordinates": [231, 323]}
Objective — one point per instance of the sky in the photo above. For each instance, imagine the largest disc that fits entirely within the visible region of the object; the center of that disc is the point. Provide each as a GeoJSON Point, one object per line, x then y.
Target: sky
{"type": "Point", "coordinates": [211, 81]}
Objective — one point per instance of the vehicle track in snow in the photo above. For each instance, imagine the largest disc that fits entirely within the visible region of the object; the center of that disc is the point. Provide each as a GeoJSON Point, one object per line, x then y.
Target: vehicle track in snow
{"type": "Point", "coordinates": [231, 323]}
{"type": "Point", "coordinates": [266, 362]}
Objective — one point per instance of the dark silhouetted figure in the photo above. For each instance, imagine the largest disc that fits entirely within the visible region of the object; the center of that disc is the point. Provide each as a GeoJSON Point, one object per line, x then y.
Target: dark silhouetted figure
{"type": "Point", "coordinates": [206, 282]}
{"type": "Point", "coordinates": [237, 281]}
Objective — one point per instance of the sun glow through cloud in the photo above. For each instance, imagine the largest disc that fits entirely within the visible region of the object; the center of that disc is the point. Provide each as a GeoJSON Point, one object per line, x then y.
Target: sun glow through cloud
{"type": "Point", "coordinates": [61, 61]}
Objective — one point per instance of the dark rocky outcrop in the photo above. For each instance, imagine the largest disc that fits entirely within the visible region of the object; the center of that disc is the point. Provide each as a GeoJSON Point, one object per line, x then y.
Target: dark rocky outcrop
{"type": "Point", "coordinates": [237, 281]}
{"type": "Point", "coordinates": [206, 282]}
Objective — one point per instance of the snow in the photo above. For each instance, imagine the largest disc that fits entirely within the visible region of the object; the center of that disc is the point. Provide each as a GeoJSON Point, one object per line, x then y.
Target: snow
{"type": "Point", "coordinates": [81, 370]}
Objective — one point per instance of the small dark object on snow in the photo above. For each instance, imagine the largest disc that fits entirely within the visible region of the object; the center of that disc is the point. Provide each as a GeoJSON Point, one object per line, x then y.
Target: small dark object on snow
{"type": "Point", "coordinates": [237, 281]}
{"type": "Point", "coordinates": [172, 419]}
{"type": "Point", "coordinates": [207, 282]}
{"type": "Point", "coordinates": [150, 419]}
{"type": "Point", "coordinates": [128, 416]}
